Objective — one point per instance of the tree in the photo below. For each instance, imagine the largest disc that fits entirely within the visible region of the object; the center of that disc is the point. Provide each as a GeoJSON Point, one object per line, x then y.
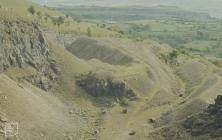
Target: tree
{"type": "Point", "coordinates": [60, 21]}
{"type": "Point", "coordinates": [54, 21]}
{"type": "Point", "coordinates": [89, 32]}
{"type": "Point", "coordinates": [31, 10]}
{"type": "Point", "coordinates": [57, 21]}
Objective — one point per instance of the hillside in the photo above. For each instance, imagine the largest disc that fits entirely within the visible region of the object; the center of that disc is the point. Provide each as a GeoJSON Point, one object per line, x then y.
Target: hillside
{"type": "Point", "coordinates": [39, 114]}
{"type": "Point", "coordinates": [58, 84]}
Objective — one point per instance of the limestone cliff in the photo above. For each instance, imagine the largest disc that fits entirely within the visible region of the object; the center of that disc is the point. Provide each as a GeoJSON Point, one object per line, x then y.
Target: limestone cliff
{"type": "Point", "coordinates": [22, 44]}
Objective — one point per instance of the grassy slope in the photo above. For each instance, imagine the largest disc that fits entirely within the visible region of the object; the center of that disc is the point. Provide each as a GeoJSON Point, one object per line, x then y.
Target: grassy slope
{"type": "Point", "coordinates": [40, 115]}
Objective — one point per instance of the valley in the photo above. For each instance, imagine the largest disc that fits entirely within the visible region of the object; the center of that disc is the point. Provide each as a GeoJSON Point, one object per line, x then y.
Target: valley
{"type": "Point", "coordinates": [70, 77]}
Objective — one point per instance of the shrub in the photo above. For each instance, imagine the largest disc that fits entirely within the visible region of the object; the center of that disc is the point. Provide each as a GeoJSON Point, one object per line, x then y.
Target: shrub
{"type": "Point", "coordinates": [173, 55]}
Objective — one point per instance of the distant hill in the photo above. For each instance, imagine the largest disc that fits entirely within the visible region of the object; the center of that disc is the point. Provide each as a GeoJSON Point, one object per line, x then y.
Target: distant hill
{"type": "Point", "coordinates": [211, 6]}
{"type": "Point", "coordinates": [131, 13]}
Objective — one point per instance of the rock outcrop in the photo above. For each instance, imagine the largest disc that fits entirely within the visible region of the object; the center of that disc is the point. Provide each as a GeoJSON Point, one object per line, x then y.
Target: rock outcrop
{"type": "Point", "coordinates": [208, 122]}
{"type": "Point", "coordinates": [105, 87]}
{"type": "Point", "coordinates": [22, 44]}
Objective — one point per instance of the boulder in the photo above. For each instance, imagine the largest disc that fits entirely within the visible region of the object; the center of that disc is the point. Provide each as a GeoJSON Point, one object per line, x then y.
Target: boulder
{"type": "Point", "coordinates": [208, 122]}
{"type": "Point", "coordinates": [104, 87]}
{"type": "Point", "coordinates": [152, 120]}
{"type": "Point", "coordinates": [124, 111]}
{"type": "Point", "coordinates": [131, 133]}
{"type": "Point", "coordinates": [3, 119]}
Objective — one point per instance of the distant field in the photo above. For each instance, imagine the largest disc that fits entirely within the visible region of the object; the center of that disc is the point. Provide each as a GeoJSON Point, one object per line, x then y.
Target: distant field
{"type": "Point", "coordinates": [195, 32]}
{"type": "Point", "coordinates": [131, 13]}
{"type": "Point", "coordinates": [199, 37]}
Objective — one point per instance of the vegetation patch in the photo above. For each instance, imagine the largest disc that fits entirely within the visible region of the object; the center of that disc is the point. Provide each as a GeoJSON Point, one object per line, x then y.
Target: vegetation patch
{"type": "Point", "coordinates": [170, 58]}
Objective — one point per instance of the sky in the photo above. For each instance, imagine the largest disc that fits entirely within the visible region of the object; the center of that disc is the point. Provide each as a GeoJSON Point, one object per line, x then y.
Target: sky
{"type": "Point", "coordinates": [211, 6]}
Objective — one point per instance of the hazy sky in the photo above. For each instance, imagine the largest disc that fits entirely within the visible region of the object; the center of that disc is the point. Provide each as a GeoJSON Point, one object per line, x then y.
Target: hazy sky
{"type": "Point", "coordinates": [133, 2]}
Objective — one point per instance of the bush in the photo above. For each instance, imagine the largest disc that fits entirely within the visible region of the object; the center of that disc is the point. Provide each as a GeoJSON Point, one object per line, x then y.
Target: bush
{"type": "Point", "coordinates": [170, 58]}
{"type": "Point", "coordinates": [173, 55]}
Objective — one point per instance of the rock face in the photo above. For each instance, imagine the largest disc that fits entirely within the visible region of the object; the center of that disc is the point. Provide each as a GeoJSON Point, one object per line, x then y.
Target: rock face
{"type": "Point", "coordinates": [23, 44]}
{"type": "Point", "coordinates": [208, 122]}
